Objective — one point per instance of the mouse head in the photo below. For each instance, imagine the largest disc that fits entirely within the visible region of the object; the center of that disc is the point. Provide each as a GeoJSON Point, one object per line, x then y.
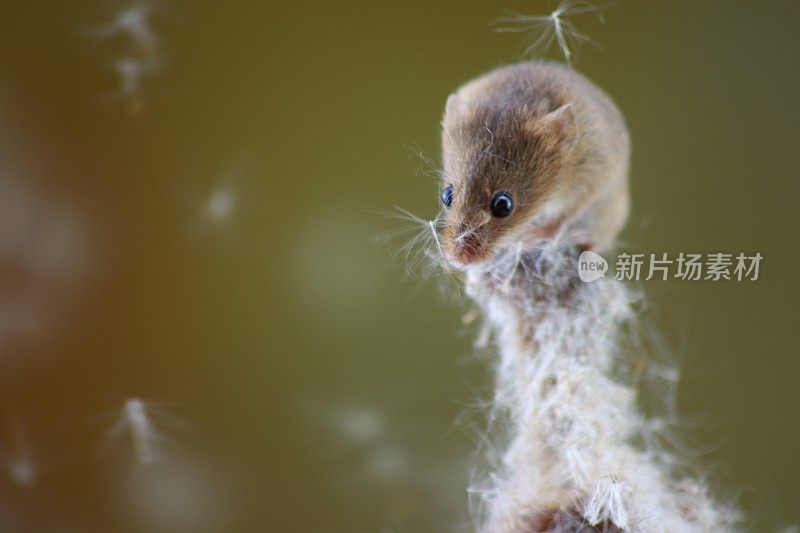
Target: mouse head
{"type": "Point", "coordinates": [502, 170]}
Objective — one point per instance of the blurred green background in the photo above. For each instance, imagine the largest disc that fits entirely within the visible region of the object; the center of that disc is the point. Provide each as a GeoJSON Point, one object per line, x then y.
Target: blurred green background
{"type": "Point", "coordinates": [319, 388]}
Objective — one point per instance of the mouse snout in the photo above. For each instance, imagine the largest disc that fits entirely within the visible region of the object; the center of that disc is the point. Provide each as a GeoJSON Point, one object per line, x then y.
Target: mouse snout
{"type": "Point", "coordinates": [470, 250]}
{"type": "Point", "coordinates": [464, 247]}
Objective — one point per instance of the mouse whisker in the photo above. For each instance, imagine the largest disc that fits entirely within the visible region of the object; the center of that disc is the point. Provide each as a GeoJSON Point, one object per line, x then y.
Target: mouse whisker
{"type": "Point", "coordinates": [421, 248]}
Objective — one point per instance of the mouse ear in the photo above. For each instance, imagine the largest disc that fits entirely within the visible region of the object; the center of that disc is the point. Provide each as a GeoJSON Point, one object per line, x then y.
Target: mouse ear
{"type": "Point", "coordinates": [557, 128]}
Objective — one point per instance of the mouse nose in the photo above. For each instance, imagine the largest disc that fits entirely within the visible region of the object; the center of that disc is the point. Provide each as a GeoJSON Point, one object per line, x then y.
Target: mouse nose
{"type": "Point", "coordinates": [468, 249]}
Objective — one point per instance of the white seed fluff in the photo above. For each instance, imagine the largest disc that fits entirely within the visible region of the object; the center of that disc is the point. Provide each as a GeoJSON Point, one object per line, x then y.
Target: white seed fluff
{"type": "Point", "coordinates": [570, 462]}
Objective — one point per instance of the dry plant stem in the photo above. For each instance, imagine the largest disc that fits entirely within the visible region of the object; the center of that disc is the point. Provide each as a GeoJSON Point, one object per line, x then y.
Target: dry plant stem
{"type": "Point", "coordinates": [569, 464]}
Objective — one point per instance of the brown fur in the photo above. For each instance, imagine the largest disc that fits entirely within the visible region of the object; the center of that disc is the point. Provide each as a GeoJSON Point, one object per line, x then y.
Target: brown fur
{"type": "Point", "coordinates": [551, 139]}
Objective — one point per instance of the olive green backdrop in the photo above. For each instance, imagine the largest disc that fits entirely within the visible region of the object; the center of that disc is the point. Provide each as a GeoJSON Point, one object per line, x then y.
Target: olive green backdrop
{"type": "Point", "coordinates": [320, 389]}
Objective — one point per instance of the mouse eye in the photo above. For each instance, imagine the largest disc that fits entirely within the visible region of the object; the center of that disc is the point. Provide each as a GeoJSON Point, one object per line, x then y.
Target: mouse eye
{"type": "Point", "coordinates": [447, 196]}
{"type": "Point", "coordinates": [501, 205]}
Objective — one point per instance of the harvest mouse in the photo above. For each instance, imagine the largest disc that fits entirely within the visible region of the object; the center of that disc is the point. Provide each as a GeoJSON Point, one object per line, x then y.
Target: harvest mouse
{"type": "Point", "coordinates": [533, 153]}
